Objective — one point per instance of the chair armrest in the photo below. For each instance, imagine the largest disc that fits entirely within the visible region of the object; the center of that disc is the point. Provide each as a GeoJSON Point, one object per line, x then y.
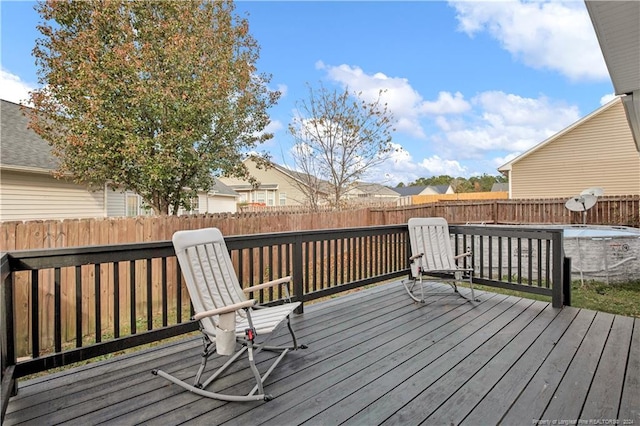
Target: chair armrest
{"type": "Point", "coordinates": [224, 310]}
{"type": "Point", "coordinates": [465, 254]}
{"type": "Point", "coordinates": [267, 284]}
{"type": "Point", "coordinates": [416, 256]}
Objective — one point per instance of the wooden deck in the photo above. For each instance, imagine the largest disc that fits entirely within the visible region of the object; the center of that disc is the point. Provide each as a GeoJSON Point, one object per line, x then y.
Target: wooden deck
{"type": "Point", "coordinates": [375, 357]}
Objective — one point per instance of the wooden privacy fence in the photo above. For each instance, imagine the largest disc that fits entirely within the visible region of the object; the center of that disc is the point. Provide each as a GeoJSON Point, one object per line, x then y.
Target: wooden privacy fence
{"type": "Point", "coordinates": [40, 234]}
{"type": "Point", "coordinates": [623, 210]}
{"type": "Point", "coordinates": [462, 196]}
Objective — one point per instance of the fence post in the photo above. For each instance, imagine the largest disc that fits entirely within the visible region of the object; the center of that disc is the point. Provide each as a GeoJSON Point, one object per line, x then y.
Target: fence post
{"type": "Point", "coordinates": [298, 275]}
{"type": "Point", "coordinates": [566, 282]}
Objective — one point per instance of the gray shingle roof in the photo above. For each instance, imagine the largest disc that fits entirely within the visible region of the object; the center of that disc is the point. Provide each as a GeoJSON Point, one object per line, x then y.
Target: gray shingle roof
{"type": "Point", "coordinates": [376, 189]}
{"type": "Point", "coordinates": [500, 187]}
{"type": "Point", "coordinates": [406, 191]}
{"type": "Point", "coordinates": [221, 188]}
{"type": "Point", "coordinates": [21, 147]}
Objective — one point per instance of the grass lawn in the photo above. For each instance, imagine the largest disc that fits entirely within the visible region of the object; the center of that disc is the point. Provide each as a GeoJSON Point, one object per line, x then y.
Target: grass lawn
{"type": "Point", "coordinates": [621, 299]}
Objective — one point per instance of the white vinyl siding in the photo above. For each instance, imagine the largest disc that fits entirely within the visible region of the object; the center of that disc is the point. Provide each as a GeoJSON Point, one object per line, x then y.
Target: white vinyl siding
{"type": "Point", "coordinates": [27, 196]}
{"type": "Point", "coordinates": [116, 203]}
{"type": "Point", "coordinates": [212, 203]}
{"type": "Point", "coordinates": [600, 152]}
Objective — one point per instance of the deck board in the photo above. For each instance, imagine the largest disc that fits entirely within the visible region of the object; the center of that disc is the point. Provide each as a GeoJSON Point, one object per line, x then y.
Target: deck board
{"type": "Point", "coordinates": [375, 357]}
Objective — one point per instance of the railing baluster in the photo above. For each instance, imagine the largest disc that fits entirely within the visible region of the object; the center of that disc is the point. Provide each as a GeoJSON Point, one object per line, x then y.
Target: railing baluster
{"type": "Point", "coordinates": [530, 265]}
{"type": "Point", "coordinates": [149, 295]}
{"type": "Point", "coordinates": [178, 294]}
{"type": "Point", "coordinates": [57, 309]}
{"type": "Point", "coordinates": [97, 304]}
{"type": "Point", "coordinates": [116, 299]}
{"type": "Point", "coordinates": [539, 263]}
{"type": "Point", "coordinates": [164, 281]}
{"type": "Point", "coordinates": [35, 317]}
{"type": "Point", "coordinates": [79, 332]}
{"type": "Point", "coordinates": [132, 295]}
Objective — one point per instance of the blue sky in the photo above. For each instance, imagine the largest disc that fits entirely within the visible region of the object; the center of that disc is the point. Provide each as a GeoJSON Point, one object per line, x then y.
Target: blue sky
{"type": "Point", "coordinates": [471, 84]}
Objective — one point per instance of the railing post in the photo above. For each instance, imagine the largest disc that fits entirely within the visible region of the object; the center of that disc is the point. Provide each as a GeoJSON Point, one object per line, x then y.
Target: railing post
{"type": "Point", "coordinates": [558, 270]}
{"type": "Point", "coordinates": [8, 384]}
{"type": "Point", "coordinates": [298, 275]}
{"type": "Point", "coordinates": [566, 282]}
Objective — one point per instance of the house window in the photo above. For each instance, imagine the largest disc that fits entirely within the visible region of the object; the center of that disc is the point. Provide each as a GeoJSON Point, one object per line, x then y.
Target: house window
{"type": "Point", "coordinates": [133, 205]}
{"type": "Point", "coordinates": [243, 197]}
{"type": "Point", "coordinates": [194, 206]}
{"type": "Point", "coordinates": [271, 198]}
{"type": "Point", "coordinates": [260, 197]}
{"type": "Point", "coordinates": [283, 198]}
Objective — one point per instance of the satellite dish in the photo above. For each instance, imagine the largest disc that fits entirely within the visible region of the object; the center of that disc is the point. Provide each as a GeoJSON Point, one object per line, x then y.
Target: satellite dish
{"type": "Point", "coordinates": [595, 191]}
{"type": "Point", "coordinates": [581, 203]}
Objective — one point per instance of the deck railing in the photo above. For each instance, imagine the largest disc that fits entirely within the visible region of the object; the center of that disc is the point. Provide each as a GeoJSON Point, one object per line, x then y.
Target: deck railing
{"type": "Point", "coordinates": [61, 306]}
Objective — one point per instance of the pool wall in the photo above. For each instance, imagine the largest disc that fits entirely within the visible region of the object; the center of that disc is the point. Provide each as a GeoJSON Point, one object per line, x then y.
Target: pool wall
{"type": "Point", "coordinates": [608, 254]}
{"type": "Point", "coordinates": [603, 253]}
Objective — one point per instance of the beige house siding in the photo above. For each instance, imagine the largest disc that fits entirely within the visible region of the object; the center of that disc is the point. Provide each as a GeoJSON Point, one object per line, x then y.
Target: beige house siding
{"type": "Point", "coordinates": [28, 196]}
{"type": "Point", "coordinates": [275, 184]}
{"type": "Point", "coordinates": [598, 152]}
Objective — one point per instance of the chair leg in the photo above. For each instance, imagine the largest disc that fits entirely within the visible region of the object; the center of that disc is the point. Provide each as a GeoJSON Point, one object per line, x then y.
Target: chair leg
{"type": "Point", "coordinates": [293, 337]}
{"type": "Point", "coordinates": [473, 297]}
{"type": "Point", "coordinates": [254, 369]}
{"type": "Point", "coordinates": [409, 285]}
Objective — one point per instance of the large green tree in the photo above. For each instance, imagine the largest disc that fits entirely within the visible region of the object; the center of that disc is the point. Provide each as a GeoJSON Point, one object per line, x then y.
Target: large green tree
{"type": "Point", "coordinates": [156, 97]}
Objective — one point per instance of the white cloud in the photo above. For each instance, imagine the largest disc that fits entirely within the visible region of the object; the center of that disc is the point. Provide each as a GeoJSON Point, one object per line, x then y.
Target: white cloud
{"type": "Point", "coordinates": [283, 89]}
{"type": "Point", "coordinates": [446, 104]}
{"type": "Point", "coordinates": [401, 167]}
{"type": "Point", "coordinates": [13, 89]}
{"type": "Point", "coordinates": [505, 122]}
{"type": "Point", "coordinates": [607, 98]}
{"type": "Point", "coordinates": [406, 104]}
{"type": "Point", "coordinates": [273, 126]}
{"type": "Point", "coordinates": [435, 165]}
{"type": "Point", "coordinates": [544, 35]}
{"type": "Point", "coordinates": [501, 161]}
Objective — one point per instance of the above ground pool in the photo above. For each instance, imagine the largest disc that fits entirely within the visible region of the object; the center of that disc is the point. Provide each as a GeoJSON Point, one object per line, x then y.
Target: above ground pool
{"type": "Point", "coordinates": [603, 253]}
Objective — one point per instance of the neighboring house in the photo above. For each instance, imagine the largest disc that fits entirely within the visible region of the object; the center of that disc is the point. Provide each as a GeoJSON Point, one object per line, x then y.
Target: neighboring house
{"type": "Point", "coordinates": [618, 33]}
{"type": "Point", "coordinates": [500, 187]}
{"type": "Point", "coordinates": [413, 194]}
{"type": "Point", "coordinates": [595, 151]}
{"type": "Point", "coordinates": [219, 199]}
{"type": "Point", "coordinates": [372, 192]}
{"type": "Point", "coordinates": [278, 186]}
{"type": "Point", "coordinates": [438, 190]}
{"type": "Point", "coordinates": [407, 191]}
{"type": "Point", "coordinates": [29, 191]}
